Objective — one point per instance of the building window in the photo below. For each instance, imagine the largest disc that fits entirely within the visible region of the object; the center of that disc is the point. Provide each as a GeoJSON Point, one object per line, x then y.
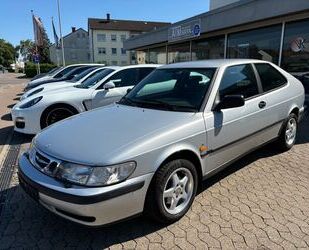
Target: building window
{"type": "Point", "coordinates": [263, 44]}
{"type": "Point", "coordinates": [78, 35]}
{"type": "Point", "coordinates": [295, 54]}
{"type": "Point", "coordinates": [101, 37]}
{"type": "Point", "coordinates": [114, 38]}
{"type": "Point", "coordinates": [157, 55]}
{"type": "Point", "coordinates": [124, 63]}
{"type": "Point", "coordinates": [123, 51]}
{"type": "Point", "coordinates": [114, 51]}
{"type": "Point", "coordinates": [114, 63]}
{"type": "Point", "coordinates": [123, 37]}
{"type": "Point", "coordinates": [102, 51]}
{"type": "Point", "coordinates": [210, 48]}
{"type": "Point", "coordinates": [179, 53]}
{"type": "Point", "coordinates": [84, 35]}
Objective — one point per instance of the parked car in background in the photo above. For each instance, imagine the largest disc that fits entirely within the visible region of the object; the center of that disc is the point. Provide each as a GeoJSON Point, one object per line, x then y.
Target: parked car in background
{"type": "Point", "coordinates": [43, 109]}
{"type": "Point", "coordinates": [49, 73]}
{"type": "Point", "coordinates": [80, 78]}
{"type": "Point", "coordinates": [150, 151]}
{"type": "Point", "coordinates": [58, 74]}
{"type": "Point", "coordinates": [68, 76]}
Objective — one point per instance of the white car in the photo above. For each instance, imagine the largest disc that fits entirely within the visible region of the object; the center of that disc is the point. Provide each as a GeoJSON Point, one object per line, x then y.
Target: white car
{"type": "Point", "coordinates": [60, 72]}
{"type": "Point", "coordinates": [43, 109]}
{"type": "Point", "coordinates": [79, 79]}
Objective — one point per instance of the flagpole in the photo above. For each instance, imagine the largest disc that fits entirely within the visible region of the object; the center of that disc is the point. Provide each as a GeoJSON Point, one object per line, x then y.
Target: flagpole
{"type": "Point", "coordinates": [38, 70]}
{"type": "Point", "coordinates": [63, 59]}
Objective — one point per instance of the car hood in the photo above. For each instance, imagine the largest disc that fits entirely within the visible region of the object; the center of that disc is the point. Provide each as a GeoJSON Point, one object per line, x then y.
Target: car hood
{"type": "Point", "coordinates": [113, 134]}
{"type": "Point", "coordinates": [61, 94]}
{"type": "Point", "coordinates": [47, 87]}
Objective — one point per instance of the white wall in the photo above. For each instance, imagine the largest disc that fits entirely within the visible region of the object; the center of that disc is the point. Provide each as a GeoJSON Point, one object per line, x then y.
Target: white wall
{"type": "Point", "coordinates": [108, 44]}
{"type": "Point", "coordinates": [214, 4]}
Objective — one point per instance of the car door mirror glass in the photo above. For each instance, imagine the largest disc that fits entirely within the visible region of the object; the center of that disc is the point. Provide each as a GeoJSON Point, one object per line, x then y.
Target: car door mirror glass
{"type": "Point", "coordinates": [231, 101]}
{"type": "Point", "coordinates": [109, 85]}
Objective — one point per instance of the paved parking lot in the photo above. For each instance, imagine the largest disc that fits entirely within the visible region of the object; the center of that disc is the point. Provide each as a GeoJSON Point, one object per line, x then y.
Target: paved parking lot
{"type": "Point", "coordinates": [260, 202]}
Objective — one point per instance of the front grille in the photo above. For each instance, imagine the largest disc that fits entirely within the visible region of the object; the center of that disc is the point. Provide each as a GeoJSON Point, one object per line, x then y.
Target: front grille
{"type": "Point", "coordinates": [43, 162]}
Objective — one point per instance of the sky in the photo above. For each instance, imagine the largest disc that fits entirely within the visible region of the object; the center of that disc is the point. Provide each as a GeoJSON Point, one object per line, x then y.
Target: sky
{"type": "Point", "coordinates": [16, 22]}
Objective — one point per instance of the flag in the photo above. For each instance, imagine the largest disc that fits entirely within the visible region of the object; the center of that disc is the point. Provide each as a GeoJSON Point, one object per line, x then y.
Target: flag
{"type": "Point", "coordinates": [56, 38]}
{"type": "Point", "coordinates": [38, 31]}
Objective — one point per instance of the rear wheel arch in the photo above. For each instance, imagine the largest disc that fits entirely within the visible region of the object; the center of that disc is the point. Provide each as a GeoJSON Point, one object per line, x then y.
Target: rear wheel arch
{"type": "Point", "coordinates": [54, 106]}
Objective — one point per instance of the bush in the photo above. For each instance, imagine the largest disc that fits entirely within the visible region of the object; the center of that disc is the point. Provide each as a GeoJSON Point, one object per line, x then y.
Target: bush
{"type": "Point", "coordinates": [30, 68]}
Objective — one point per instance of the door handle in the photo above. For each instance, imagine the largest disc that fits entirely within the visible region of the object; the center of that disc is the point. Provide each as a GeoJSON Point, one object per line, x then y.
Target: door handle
{"type": "Point", "coordinates": [262, 104]}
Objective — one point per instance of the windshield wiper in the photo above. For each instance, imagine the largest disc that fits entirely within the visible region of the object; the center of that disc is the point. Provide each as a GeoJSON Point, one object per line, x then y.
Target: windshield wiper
{"type": "Point", "coordinates": [128, 100]}
{"type": "Point", "coordinates": [169, 106]}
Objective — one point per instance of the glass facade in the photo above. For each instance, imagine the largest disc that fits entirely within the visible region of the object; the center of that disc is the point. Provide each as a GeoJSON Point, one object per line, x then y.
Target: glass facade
{"type": "Point", "coordinates": [210, 48]}
{"type": "Point", "coordinates": [263, 44]}
{"type": "Point", "coordinates": [295, 54]}
{"type": "Point", "coordinates": [142, 56]}
{"type": "Point", "coordinates": [157, 55]}
{"type": "Point", "coordinates": [179, 53]}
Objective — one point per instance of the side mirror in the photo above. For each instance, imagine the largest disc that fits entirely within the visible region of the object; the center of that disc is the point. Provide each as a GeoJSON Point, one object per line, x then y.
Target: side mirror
{"type": "Point", "coordinates": [109, 85]}
{"type": "Point", "coordinates": [231, 101]}
{"type": "Point", "coordinates": [128, 91]}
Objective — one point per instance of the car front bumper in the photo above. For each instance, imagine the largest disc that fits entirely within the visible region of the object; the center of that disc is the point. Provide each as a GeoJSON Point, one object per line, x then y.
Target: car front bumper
{"type": "Point", "coordinates": [26, 121]}
{"type": "Point", "coordinates": [88, 206]}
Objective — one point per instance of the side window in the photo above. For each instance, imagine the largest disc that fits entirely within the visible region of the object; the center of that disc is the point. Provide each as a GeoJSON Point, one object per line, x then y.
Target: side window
{"type": "Point", "coordinates": [239, 80]}
{"type": "Point", "coordinates": [127, 77]}
{"type": "Point", "coordinates": [143, 72]}
{"type": "Point", "coordinates": [270, 77]}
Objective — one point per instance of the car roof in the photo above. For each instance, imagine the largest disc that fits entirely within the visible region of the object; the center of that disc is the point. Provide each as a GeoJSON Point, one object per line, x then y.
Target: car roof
{"type": "Point", "coordinates": [141, 66]}
{"type": "Point", "coordinates": [212, 63]}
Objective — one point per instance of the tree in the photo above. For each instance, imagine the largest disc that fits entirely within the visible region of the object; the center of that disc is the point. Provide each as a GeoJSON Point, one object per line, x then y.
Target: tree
{"type": "Point", "coordinates": [26, 49]}
{"type": "Point", "coordinates": [7, 53]}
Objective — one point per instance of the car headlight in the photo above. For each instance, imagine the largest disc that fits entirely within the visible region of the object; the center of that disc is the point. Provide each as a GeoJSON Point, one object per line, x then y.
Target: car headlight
{"type": "Point", "coordinates": [31, 102]}
{"type": "Point", "coordinates": [95, 176]}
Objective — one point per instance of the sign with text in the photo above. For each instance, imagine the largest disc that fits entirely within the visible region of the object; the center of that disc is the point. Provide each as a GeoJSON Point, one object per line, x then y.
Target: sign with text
{"type": "Point", "coordinates": [186, 30]}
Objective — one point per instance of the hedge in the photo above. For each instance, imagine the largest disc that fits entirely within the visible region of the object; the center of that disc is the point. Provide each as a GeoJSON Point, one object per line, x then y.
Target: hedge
{"type": "Point", "coordinates": [30, 68]}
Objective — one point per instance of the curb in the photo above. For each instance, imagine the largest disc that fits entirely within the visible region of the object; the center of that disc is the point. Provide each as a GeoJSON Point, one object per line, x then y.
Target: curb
{"type": "Point", "coordinates": [5, 148]}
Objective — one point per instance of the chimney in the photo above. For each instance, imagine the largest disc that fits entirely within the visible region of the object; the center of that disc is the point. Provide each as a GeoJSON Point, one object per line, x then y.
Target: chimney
{"type": "Point", "coordinates": [108, 17]}
{"type": "Point", "coordinates": [73, 29]}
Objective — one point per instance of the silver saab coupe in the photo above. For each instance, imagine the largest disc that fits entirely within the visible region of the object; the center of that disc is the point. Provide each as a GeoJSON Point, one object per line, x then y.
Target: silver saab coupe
{"type": "Point", "coordinates": [150, 151]}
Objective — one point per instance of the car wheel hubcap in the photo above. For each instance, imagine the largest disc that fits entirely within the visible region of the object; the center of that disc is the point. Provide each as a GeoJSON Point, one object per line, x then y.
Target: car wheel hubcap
{"type": "Point", "coordinates": [58, 115]}
{"type": "Point", "coordinates": [290, 133]}
{"type": "Point", "coordinates": [178, 191]}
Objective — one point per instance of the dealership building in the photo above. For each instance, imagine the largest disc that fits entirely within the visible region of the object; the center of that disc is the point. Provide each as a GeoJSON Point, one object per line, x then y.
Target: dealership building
{"type": "Point", "coordinates": [272, 30]}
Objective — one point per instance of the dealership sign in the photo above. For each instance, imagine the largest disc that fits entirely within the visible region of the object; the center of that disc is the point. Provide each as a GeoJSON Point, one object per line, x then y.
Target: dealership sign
{"type": "Point", "coordinates": [185, 31]}
{"type": "Point", "coordinates": [298, 44]}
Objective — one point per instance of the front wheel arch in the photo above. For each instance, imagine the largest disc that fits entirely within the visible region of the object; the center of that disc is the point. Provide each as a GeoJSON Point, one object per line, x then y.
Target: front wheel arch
{"type": "Point", "coordinates": [51, 107]}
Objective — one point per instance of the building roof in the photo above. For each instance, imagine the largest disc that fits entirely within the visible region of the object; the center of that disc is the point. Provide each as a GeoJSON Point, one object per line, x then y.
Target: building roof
{"type": "Point", "coordinates": [232, 15]}
{"type": "Point", "coordinates": [127, 25]}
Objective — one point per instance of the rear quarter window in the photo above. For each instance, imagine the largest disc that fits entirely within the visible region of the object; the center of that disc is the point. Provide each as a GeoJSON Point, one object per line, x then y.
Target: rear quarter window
{"type": "Point", "coordinates": [270, 77]}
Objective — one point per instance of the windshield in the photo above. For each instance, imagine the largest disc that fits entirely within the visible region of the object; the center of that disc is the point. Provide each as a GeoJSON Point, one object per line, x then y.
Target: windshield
{"type": "Point", "coordinates": [82, 75]}
{"type": "Point", "coordinates": [53, 71]}
{"type": "Point", "coordinates": [95, 78]}
{"type": "Point", "coordinates": [172, 89]}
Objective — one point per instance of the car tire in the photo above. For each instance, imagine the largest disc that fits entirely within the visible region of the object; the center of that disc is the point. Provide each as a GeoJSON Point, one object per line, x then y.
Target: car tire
{"type": "Point", "coordinates": [55, 114]}
{"type": "Point", "coordinates": [172, 191]}
{"type": "Point", "coordinates": [288, 133]}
